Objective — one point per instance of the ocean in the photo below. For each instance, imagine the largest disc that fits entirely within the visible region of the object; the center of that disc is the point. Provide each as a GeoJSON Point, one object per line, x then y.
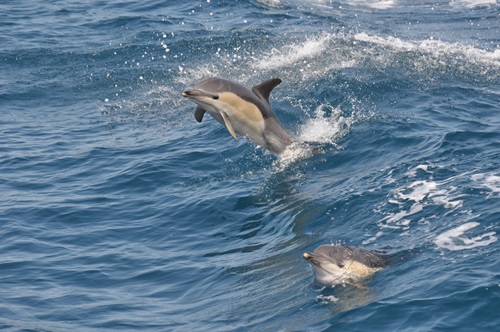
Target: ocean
{"type": "Point", "coordinates": [120, 211]}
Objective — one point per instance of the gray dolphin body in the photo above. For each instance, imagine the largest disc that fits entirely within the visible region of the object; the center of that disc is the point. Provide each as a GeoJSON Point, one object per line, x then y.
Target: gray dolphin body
{"type": "Point", "coordinates": [242, 110]}
{"type": "Point", "coordinates": [339, 264]}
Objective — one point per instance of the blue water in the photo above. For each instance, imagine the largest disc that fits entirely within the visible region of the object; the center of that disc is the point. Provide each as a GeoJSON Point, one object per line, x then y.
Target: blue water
{"type": "Point", "coordinates": [120, 212]}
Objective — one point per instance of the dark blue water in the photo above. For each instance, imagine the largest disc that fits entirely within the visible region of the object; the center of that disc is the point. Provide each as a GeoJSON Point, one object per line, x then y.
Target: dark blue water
{"type": "Point", "coordinates": [120, 212]}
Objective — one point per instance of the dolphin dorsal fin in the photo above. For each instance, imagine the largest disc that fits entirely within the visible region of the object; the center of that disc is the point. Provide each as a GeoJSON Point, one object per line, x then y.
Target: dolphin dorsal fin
{"type": "Point", "coordinates": [265, 88]}
{"type": "Point", "coordinates": [198, 114]}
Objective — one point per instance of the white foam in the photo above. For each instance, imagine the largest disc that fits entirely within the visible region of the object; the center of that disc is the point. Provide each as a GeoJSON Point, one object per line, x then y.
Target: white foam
{"type": "Point", "coordinates": [473, 3]}
{"type": "Point", "coordinates": [325, 299]}
{"type": "Point", "coordinates": [423, 167]}
{"type": "Point", "coordinates": [488, 180]}
{"type": "Point", "coordinates": [300, 60]}
{"type": "Point", "coordinates": [294, 152]}
{"type": "Point", "coordinates": [314, 57]}
{"type": "Point", "coordinates": [413, 171]}
{"type": "Point", "coordinates": [397, 220]}
{"type": "Point", "coordinates": [455, 239]}
{"type": "Point", "coordinates": [380, 4]}
{"type": "Point", "coordinates": [422, 193]}
{"type": "Point", "coordinates": [373, 238]}
{"type": "Point", "coordinates": [318, 56]}
{"type": "Point", "coordinates": [293, 53]}
{"type": "Point", "coordinates": [437, 48]}
{"type": "Point", "coordinates": [375, 4]}
{"type": "Point", "coordinates": [421, 190]}
{"type": "Point", "coordinates": [441, 197]}
{"type": "Point", "coordinates": [271, 3]}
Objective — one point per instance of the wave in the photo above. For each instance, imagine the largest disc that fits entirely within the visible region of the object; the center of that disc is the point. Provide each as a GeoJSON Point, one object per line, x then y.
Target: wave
{"type": "Point", "coordinates": [306, 60]}
{"type": "Point", "coordinates": [439, 50]}
{"type": "Point", "coordinates": [372, 4]}
{"type": "Point", "coordinates": [317, 57]}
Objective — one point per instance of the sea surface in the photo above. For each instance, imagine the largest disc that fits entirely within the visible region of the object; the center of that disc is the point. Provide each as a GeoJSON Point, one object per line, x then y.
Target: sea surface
{"type": "Point", "coordinates": [119, 211]}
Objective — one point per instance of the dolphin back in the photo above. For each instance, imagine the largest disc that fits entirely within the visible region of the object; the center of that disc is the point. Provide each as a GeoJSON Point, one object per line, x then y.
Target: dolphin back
{"type": "Point", "coordinates": [369, 258]}
{"type": "Point", "coordinates": [342, 254]}
{"type": "Point", "coordinates": [257, 95]}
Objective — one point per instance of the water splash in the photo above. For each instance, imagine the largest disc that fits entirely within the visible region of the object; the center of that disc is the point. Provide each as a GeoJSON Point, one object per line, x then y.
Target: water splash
{"type": "Point", "coordinates": [324, 128]}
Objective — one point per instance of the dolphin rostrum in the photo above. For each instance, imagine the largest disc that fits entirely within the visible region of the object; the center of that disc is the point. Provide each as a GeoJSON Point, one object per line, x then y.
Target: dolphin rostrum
{"type": "Point", "coordinates": [242, 110]}
{"type": "Point", "coordinates": [339, 264]}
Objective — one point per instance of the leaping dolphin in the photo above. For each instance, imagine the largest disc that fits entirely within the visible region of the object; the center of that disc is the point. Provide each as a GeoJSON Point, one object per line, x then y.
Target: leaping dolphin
{"type": "Point", "coordinates": [242, 110]}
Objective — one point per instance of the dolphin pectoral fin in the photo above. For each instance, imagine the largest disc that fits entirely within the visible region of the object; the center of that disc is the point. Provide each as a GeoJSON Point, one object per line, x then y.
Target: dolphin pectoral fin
{"type": "Point", "coordinates": [198, 114]}
{"type": "Point", "coordinates": [265, 88]}
{"type": "Point", "coordinates": [228, 124]}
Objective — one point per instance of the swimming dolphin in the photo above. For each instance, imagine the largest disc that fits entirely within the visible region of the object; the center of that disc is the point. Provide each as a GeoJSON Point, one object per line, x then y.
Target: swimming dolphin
{"type": "Point", "coordinates": [339, 264]}
{"type": "Point", "coordinates": [242, 110]}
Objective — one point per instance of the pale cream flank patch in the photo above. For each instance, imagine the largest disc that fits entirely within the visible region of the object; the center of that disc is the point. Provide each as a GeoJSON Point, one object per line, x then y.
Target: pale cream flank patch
{"type": "Point", "coordinates": [358, 270]}
{"type": "Point", "coordinates": [245, 118]}
{"type": "Point", "coordinates": [245, 111]}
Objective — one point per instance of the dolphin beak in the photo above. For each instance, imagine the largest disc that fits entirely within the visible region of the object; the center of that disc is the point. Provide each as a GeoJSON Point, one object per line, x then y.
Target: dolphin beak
{"type": "Point", "coordinates": [198, 93]}
{"type": "Point", "coordinates": [308, 255]}
{"type": "Point", "coordinates": [312, 259]}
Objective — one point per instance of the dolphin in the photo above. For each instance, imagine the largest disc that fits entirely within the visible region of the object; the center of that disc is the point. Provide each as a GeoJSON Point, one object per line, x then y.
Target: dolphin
{"type": "Point", "coordinates": [340, 264]}
{"type": "Point", "coordinates": [242, 110]}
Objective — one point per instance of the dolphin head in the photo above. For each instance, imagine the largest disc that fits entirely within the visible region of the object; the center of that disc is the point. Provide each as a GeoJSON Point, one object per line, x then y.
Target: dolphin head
{"type": "Point", "coordinates": [333, 264]}
{"type": "Point", "coordinates": [208, 91]}
{"type": "Point", "coordinates": [328, 264]}
{"type": "Point", "coordinates": [204, 96]}
{"type": "Point", "coordinates": [200, 95]}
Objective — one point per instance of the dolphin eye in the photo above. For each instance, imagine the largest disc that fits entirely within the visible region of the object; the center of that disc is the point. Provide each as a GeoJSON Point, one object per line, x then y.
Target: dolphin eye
{"type": "Point", "coordinates": [215, 97]}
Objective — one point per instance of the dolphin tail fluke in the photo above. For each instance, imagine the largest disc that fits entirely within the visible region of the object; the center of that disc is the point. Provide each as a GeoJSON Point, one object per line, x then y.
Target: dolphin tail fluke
{"type": "Point", "coordinates": [264, 89]}
{"type": "Point", "coordinates": [228, 124]}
